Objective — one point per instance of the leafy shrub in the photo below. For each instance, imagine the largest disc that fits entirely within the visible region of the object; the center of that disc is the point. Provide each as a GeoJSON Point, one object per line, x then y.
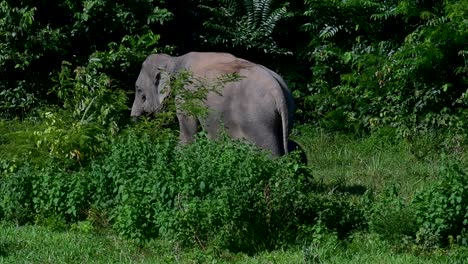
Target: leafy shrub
{"type": "Point", "coordinates": [412, 77]}
{"type": "Point", "coordinates": [391, 216]}
{"type": "Point", "coordinates": [36, 37]}
{"type": "Point", "coordinates": [237, 198]}
{"type": "Point", "coordinates": [131, 183]}
{"type": "Point", "coordinates": [94, 104]}
{"type": "Point", "coordinates": [16, 195]}
{"type": "Point", "coordinates": [442, 208]}
{"type": "Point", "coordinates": [31, 192]}
{"type": "Point", "coordinates": [61, 193]}
{"type": "Point", "coordinates": [63, 137]}
{"type": "Point", "coordinates": [222, 195]}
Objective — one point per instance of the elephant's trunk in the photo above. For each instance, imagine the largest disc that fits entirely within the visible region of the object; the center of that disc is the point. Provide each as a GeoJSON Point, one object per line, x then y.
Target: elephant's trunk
{"type": "Point", "coordinates": [135, 119]}
{"type": "Point", "coordinates": [136, 109]}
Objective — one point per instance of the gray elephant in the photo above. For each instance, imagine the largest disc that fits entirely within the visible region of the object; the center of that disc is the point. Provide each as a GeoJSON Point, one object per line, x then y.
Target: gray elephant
{"type": "Point", "coordinates": [258, 106]}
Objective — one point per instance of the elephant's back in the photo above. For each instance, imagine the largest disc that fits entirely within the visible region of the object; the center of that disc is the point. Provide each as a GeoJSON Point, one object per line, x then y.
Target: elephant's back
{"type": "Point", "coordinates": [197, 61]}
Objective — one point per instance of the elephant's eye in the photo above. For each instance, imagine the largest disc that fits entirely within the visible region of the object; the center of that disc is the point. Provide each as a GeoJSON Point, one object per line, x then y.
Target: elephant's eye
{"type": "Point", "coordinates": [143, 97]}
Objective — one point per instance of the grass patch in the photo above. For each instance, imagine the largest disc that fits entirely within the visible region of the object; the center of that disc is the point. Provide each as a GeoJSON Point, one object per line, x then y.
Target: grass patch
{"type": "Point", "coordinates": [34, 244]}
{"type": "Point", "coordinates": [374, 162]}
{"type": "Point", "coordinates": [370, 248]}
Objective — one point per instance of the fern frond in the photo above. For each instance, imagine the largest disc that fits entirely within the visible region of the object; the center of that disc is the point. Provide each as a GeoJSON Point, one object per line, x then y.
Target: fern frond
{"type": "Point", "coordinates": [385, 15]}
{"type": "Point", "coordinates": [250, 8]}
{"type": "Point", "coordinates": [272, 20]}
{"type": "Point", "coordinates": [437, 21]}
{"type": "Point", "coordinates": [265, 6]}
{"type": "Point", "coordinates": [329, 31]}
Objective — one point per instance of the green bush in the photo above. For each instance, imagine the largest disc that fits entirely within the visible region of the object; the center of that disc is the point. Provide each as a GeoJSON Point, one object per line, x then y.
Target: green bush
{"type": "Point", "coordinates": [442, 208]}
{"type": "Point", "coordinates": [220, 193]}
{"type": "Point", "coordinates": [36, 37]}
{"type": "Point", "coordinates": [60, 192]}
{"type": "Point", "coordinates": [391, 216]}
{"type": "Point", "coordinates": [64, 138]}
{"type": "Point", "coordinates": [235, 197]}
{"type": "Point", "coordinates": [31, 192]}
{"type": "Point", "coordinates": [16, 195]}
{"type": "Point", "coordinates": [412, 78]}
{"type": "Point", "coordinates": [131, 184]}
{"type": "Point", "coordinates": [223, 195]}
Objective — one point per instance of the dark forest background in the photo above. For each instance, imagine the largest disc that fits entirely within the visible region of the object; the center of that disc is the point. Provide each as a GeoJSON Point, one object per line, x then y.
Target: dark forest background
{"type": "Point", "coordinates": [353, 65]}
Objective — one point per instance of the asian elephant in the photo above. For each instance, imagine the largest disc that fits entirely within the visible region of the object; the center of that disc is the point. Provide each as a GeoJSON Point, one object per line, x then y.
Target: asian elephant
{"type": "Point", "coordinates": [257, 106]}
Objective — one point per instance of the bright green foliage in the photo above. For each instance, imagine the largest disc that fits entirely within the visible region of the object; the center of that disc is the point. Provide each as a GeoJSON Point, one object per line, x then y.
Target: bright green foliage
{"type": "Point", "coordinates": [60, 193]}
{"type": "Point", "coordinates": [132, 184]}
{"type": "Point", "coordinates": [64, 138]}
{"type": "Point", "coordinates": [442, 209]}
{"type": "Point", "coordinates": [223, 195]}
{"type": "Point", "coordinates": [203, 194]}
{"type": "Point", "coordinates": [226, 195]}
{"type": "Point", "coordinates": [95, 105]}
{"type": "Point", "coordinates": [36, 193]}
{"type": "Point", "coordinates": [208, 193]}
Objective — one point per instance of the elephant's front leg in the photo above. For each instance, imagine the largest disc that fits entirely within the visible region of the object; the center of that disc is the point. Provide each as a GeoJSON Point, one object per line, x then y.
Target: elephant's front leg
{"type": "Point", "coordinates": [188, 126]}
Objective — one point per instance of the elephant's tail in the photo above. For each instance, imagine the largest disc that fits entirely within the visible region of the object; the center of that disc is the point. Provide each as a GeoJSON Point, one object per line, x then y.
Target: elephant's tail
{"type": "Point", "coordinates": [286, 108]}
{"type": "Point", "coordinates": [285, 125]}
{"type": "Point", "coordinates": [286, 113]}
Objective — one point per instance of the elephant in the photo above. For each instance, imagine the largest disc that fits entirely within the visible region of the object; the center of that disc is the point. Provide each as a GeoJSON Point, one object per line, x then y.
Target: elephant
{"type": "Point", "coordinates": [257, 107]}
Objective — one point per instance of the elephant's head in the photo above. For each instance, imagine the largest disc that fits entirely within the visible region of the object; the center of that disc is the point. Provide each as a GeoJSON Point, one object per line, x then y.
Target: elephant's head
{"type": "Point", "coordinates": [152, 86]}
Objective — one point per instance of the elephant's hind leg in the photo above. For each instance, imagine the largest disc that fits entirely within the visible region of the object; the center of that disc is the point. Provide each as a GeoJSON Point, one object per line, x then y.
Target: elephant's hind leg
{"type": "Point", "coordinates": [266, 137]}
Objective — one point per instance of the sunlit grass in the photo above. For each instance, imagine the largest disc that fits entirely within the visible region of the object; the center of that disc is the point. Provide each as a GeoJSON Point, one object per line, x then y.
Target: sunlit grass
{"type": "Point", "coordinates": [373, 162]}
{"type": "Point", "coordinates": [34, 244]}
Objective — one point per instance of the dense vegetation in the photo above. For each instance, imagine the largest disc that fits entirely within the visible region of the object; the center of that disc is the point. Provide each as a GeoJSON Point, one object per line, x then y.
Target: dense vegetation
{"type": "Point", "coordinates": [381, 89]}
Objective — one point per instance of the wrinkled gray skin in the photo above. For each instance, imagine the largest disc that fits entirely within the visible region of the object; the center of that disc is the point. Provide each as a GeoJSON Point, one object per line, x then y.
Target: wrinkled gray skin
{"type": "Point", "coordinates": [257, 107]}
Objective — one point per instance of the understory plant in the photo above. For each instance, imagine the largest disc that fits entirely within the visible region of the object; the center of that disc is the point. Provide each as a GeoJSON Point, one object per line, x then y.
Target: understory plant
{"type": "Point", "coordinates": [442, 209]}
{"type": "Point", "coordinates": [222, 193]}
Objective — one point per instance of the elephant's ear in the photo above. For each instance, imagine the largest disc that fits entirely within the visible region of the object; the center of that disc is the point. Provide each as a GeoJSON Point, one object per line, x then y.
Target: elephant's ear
{"type": "Point", "coordinates": [162, 84]}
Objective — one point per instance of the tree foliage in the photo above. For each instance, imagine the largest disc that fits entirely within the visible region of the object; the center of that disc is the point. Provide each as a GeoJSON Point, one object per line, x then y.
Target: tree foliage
{"type": "Point", "coordinates": [35, 37]}
{"type": "Point", "coordinates": [243, 25]}
{"type": "Point", "coordinates": [388, 63]}
{"type": "Point", "coordinates": [357, 65]}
